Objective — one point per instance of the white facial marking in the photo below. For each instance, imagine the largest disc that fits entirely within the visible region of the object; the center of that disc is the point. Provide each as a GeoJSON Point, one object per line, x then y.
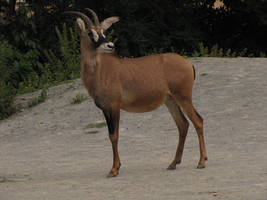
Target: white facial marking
{"type": "Point", "coordinates": [106, 47]}
{"type": "Point", "coordinates": [96, 37]}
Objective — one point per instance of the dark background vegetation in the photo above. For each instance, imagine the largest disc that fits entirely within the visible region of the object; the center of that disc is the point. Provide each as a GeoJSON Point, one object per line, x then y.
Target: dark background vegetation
{"type": "Point", "coordinates": [39, 46]}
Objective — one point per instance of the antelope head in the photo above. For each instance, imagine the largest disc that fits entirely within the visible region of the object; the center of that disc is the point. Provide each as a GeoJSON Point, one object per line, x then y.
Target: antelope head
{"type": "Point", "coordinates": [94, 32]}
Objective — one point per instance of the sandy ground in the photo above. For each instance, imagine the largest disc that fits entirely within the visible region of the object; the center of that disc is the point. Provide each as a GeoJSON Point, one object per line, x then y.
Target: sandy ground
{"type": "Point", "coordinates": [49, 152]}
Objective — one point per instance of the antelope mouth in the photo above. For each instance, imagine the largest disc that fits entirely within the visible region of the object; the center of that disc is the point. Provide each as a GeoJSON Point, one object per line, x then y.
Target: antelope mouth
{"type": "Point", "coordinates": [106, 47]}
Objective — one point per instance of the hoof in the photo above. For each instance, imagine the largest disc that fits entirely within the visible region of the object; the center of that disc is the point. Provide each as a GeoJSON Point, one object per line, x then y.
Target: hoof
{"type": "Point", "coordinates": [114, 171]}
{"type": "Point", "coordinates": [112, 174]}
{"type": "Point", "coordinates": [171, 167]}
{"type": "Point", "coordinates": [201, 166]}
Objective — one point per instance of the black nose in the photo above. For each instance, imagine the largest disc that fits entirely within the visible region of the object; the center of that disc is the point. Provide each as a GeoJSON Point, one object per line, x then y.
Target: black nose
{"type": "Point", "coordinates": [111, 46]}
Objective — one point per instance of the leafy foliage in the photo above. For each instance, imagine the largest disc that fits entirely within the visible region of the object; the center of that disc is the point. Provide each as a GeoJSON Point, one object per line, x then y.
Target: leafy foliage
{"type": "Point", "coordinates": [7, 94]}
{"type": "Point", "coordinates": [79, 99]}
{"type": "Point", "coordinates": [7, 90]}
{"type": "Point", "coordinates": [39, 99]}
{"type": "Point", "coordinates": [22, 72]}
{"type": "Point", "coordinates": [65, 65]}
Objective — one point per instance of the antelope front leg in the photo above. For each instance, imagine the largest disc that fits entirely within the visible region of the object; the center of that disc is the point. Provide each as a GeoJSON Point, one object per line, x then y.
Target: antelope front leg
{"type": "Point", "coordinates": [112, 119]}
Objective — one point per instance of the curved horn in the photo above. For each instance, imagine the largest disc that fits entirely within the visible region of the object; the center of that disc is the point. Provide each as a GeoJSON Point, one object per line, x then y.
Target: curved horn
{"type": "Point", "coordinates": [85, 18]}
{"type": "Point", "coordinates": [94, 16]}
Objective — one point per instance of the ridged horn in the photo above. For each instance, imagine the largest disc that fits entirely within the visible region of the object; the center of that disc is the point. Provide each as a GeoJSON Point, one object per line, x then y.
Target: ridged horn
{"type": "Point", "coordinates": [85, 18]}
{"type": "Point", "coordinates": [94, 16]}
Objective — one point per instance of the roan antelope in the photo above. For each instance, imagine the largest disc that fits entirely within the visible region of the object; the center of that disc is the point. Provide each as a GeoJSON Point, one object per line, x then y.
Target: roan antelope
{"type": "Point", "coordinates": [136, 85]}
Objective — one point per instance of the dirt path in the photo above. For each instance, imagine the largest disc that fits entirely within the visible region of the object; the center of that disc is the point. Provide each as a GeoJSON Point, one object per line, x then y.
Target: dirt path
{"type": "Point", "coordinates": [50, 152]}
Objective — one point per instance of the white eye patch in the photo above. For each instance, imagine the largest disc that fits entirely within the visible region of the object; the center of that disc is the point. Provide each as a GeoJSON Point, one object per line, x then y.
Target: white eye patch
{"type": "Point", "coordinates": [96, 37]}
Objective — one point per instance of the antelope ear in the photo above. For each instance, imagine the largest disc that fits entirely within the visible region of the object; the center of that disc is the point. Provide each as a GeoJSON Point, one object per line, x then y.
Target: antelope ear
{"type": "Point", "coordinates": [81, 24]}
{"type": "Point", "coordinates": [108, 22]}
{"type": "Point", "coordinates": [96, 37]}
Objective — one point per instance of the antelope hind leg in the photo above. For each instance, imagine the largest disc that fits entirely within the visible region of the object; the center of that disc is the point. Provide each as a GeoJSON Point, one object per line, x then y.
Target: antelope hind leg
{"type": "Point", "coordinates": [182, 125]}
{"type": "Point", "coordinates": [197, 121]}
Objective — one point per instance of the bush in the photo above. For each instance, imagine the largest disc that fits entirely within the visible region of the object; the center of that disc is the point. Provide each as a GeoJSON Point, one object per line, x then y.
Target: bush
{"type": "Point", "coordinates": [7, 94]}
{"type": "Point", "coordinates": [79, 99]}
{"type": "Point", "coordinates": [19, 73]}
{"type": "Point", "coordinates": [37, 100]}
{"type": "Point", "coordinates": [64, 65]}
{"type": "Point", "coordinates": [28, 71]}
{"type": "Point", "coordinates": [22, 72]}
{"type": "Point", "coordinates": [7, 83]}
{"type": "Point", "coordinates": [215, 51]}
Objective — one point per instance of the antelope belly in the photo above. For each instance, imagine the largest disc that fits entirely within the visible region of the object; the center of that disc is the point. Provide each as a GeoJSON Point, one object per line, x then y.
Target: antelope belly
{"type": "Point", "coordinates": [139, 104]}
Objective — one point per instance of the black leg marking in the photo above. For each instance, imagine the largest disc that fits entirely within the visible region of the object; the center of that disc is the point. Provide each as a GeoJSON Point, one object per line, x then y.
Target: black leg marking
{"type": "Point", "coordinates": [110, 122]}
{"type": "Point", "coordinates": [194, 72]}
{"type": "Point", "coordinates": [98, 103]}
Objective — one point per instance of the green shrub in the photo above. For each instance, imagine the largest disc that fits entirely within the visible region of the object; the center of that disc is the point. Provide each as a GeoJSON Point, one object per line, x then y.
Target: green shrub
{"type": "Point", "coordinates": [215, 51]}
{"type": "Point", "coordinates": [65, 65]}
{"type": "Point", "coordinates": [233, 54]}
{"type": "Point", "coordinates": [243, 53]}
{"type": "Point", "coordinates": [21, 71]}
{"type": "Point", "coordinates": [203, 51]}
{"type": "Point", "coordinates": [7, 95]}
{"type": "Point", "coordinates": [79, 99]}
{"type": "Point", "coordinates": [262, 54]}
{"type": "Point", "coordinates": [228, 53]}
{"type": "Point", "coordinates": [7, 82]}
{"type": "Point", "coordinates": [28, 70]}
{"type": "Point", "coordinates": [7, 56]}
{"type": "Point", "coordinates": [37, 100]}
